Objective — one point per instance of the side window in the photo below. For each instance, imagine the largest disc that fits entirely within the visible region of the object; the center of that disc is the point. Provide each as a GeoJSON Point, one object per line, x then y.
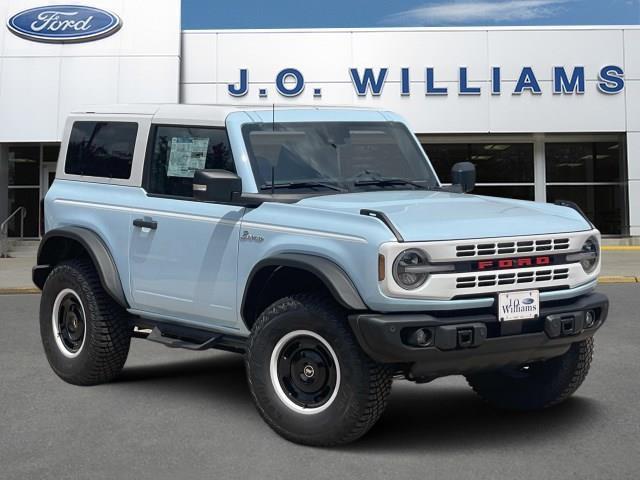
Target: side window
{"type": "Point", "coordinates": [179, 151]}
{"type": "Point", "coordinates": [101, 149]}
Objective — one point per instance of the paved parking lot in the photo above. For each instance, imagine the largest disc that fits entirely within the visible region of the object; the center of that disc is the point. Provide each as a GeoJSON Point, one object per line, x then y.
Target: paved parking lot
{"type": "Point", "coordinates": [184, 415]}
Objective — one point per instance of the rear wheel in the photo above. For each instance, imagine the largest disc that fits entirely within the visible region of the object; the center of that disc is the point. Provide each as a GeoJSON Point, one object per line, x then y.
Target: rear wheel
{"type": "Point", "coordinates": [538, 385]}
{"type": "Point", "coordinates": [309, 378]}
{"type": "Point", "coordinates": [85, 334]}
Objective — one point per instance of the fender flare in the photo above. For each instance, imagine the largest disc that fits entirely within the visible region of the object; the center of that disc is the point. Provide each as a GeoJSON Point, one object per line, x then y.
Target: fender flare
{"type": "Point", "coordinates": [97, 250]}
{"type": "Point", "coordinates": [330, 274]}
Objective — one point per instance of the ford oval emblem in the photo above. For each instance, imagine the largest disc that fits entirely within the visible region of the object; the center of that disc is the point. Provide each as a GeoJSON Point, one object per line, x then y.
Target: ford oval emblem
{"type": "Point", "coordinates": [64, 23]}
{"type": "Point", "coordinates": [528, 301]}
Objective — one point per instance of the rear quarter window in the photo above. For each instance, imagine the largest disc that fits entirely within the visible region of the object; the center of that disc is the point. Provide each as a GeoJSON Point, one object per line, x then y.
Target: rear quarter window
{"type": "Point", "coordinates": [101, 149]}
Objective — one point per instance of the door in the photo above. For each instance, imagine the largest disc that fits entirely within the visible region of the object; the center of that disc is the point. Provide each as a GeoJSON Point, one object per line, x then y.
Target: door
{"type": "Point", "coordinates": [183, 253]}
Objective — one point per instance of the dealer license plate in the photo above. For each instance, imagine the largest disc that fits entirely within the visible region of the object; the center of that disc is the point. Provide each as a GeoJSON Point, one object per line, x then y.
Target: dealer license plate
{"type": "Point", "coordinates": [520, 305]}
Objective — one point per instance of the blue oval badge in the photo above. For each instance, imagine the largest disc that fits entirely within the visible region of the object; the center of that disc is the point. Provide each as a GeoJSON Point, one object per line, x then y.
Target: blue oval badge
{"type": "Point", "coordinates": [64, 23]}
{"type": "Point", "coordinates": [528, 301]}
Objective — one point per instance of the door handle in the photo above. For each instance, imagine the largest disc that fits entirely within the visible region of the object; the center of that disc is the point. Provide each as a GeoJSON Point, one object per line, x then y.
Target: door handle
{"type": "Point", "coordinates": [142, 223]}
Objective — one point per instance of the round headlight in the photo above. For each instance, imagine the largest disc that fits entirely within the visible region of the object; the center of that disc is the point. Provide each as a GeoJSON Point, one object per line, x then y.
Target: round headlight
{"type": "Point", "coordinates": [591, 253]}
{"type": "Point", "coordinates": [405, 266]}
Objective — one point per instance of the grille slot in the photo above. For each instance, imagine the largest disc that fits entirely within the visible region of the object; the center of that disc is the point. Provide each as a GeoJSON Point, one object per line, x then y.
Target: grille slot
{"type": "Point", "coordinates": [511, 248]}
{"type": "Point", "coordinates": [522, 277]}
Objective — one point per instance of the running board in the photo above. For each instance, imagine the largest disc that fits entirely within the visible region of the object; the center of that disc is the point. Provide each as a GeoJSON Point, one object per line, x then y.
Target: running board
{"type": "Point", "coordinates": [181, 336]}
{"type": "Point", "coordinates": [172, 342]}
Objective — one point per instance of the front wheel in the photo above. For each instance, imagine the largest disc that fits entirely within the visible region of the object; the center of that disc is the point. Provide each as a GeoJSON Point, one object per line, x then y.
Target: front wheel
{"type": "Point", "coordinates": [537, 385]}
{"type": "Point", "coordinates": [309, 378]}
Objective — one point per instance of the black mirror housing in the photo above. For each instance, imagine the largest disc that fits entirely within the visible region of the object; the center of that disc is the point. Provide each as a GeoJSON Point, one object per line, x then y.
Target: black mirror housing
{"type": "Point", "coordinates": [219, 186]}
{"type": "Point", "coordinates": [463, 174]}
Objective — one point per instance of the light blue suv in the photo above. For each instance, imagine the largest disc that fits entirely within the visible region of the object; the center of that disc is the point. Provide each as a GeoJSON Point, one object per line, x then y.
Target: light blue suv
{"type": "Point", "coordinates": [319, 243]}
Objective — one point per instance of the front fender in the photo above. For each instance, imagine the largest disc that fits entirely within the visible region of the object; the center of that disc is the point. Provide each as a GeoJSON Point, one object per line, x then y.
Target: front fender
{"type": "Point", "coordinates": [332, 276]}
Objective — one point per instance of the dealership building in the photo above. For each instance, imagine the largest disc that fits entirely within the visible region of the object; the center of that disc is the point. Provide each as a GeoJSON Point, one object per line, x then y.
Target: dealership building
{"type": "Point", "coordinates": [545, 113]}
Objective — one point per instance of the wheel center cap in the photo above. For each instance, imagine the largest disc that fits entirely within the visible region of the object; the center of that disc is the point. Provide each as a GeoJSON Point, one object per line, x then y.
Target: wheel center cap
{"type": "Point", "coordinates": [308, 371]}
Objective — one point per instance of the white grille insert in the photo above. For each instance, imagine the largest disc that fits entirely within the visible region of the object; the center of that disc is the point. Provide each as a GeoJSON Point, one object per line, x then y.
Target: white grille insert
{"type": "Point", "coordinates": [512, 278]}
{"type": "Point", "coordinates": [511, 248]}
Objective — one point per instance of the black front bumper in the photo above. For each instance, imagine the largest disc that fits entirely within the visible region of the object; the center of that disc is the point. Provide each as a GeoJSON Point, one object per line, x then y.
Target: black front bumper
{"type": "Point", "coordinates": [476, 341]}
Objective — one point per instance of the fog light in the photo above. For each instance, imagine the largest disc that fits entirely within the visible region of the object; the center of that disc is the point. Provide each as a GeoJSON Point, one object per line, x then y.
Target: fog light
{"type": "Point", "coordinates": [589, 319]}
{"type": "Point", "coordinates": [420, 338]}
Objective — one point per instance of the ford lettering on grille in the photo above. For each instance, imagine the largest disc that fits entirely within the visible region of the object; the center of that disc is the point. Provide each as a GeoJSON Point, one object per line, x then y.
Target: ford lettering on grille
{"type": "Point", "coordinates": [504, 263]}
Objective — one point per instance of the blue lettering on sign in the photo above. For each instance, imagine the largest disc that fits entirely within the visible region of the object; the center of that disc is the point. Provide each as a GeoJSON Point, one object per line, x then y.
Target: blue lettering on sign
{"type": "Point", "coordinates": [527, 81]}
{"type": "Point", "coordinates": [242, 88]}
{"type": "Point", "coordinates": [464, 88]}
{"type": "Point", "coordinates": [563, 84]}
{"type": "Point", "coordinates": [298, 86]}
{"type": "Point", "coordinates": [368, 81]}
{"type": "Point", "coordinates": [611, 79]}
{"type": "Point", "coordinates": [290, 82]}
{"type": "Point", "coordinates": [64, 23]}
{"type": "Point", "coordinates": [405, 85]}
{"type": "Point", "coordinates": [431, 89]}
{"type": "Point", "coordinates": [496, 87]}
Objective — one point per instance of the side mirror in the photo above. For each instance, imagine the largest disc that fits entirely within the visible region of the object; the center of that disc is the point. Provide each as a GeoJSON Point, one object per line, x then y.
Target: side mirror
{"type": "Point", "coordinates": [216, 186]}
{"type": "Point", "coordinates": [463, 174]}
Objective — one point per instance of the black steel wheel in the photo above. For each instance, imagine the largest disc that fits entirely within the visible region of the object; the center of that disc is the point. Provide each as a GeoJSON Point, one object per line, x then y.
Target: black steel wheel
{"type": "Point", "coordinates": [305, 371]}
{"type": "Point", "coordinates": [309, 378]}
{"type": "Point", "coordinates": [85, 333]}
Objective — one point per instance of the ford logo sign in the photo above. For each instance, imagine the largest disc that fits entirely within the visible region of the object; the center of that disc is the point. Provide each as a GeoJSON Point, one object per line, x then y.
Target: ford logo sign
{"type": "Point", "coordinates": [528, 301]}
{"type": "Point", "coordinates": [64, 23]}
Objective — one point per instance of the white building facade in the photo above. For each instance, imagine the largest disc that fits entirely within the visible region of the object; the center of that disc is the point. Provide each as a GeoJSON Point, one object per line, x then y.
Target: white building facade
{"type": "Point", "coordinates": [544, 113]}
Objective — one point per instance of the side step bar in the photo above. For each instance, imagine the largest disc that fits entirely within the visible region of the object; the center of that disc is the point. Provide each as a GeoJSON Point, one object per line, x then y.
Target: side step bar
{"type": "Point", "coordinates": [179, 336]}
{"type": "Point", "coordinates": [172, 342]}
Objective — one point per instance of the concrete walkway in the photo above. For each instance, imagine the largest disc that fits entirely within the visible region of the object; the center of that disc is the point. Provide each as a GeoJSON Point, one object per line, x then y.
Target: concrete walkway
{"type": "Point", "coordinates": [620, 265]}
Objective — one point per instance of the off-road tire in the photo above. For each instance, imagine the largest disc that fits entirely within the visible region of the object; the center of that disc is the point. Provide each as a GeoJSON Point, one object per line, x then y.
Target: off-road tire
{"type": "Point", "coordinates": [108, 331]}
{"type": "Point", "coordinates": [363, 387]}
{"type": "Point", "coordinates": [544, 385]}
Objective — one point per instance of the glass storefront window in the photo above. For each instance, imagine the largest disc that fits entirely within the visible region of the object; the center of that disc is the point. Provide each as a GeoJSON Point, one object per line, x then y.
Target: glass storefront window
{"type": "Point", "coordinates": [29, 198]}
{"type": "Point", "coordinates": [31, 170]}
{"type": "Point", "coordinates": [583, 162]}
{"type": "Point", "coordinates": [50, 153]}
{"type": "Point", "coordinates": [603, 204]}
{"type": "Point", "coordinates": [496, 163]}
{"type": "Point", "coordinates": [510, 191]}
{"type": "Point", "coordinates": [24, 165]}
{"type": "Point", "coordinates": [591, 174]}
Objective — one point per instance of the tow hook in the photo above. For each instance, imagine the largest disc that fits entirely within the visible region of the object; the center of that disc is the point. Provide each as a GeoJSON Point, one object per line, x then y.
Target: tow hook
{"type": "Point", "coordinates": [450, 337]}
{"type": "Point", "coordinates": [565, 324]}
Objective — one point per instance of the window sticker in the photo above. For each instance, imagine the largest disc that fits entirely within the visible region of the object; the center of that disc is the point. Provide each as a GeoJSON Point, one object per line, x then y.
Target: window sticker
{"type": "Point", "coordinates": [187, 155]}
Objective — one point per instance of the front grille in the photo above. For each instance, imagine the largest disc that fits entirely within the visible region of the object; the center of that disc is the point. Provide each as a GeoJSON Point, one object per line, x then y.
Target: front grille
{"type": "Point", "coordinates": [512, 278]}
{"type": "Point", "coordinates": [512, 248]}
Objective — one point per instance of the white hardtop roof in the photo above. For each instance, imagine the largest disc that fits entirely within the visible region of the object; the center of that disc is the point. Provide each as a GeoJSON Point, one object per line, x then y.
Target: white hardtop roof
{"type": "Point", "coordinates": [190, 112]}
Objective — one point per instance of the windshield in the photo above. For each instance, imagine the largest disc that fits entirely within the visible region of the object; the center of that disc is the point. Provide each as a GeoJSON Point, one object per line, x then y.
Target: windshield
{"type": "Point", "coordinates": [336, 157]}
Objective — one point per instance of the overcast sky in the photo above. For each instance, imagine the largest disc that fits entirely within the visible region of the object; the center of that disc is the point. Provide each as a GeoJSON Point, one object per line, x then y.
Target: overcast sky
{"type": "Point", "coordinates": [411, 13]}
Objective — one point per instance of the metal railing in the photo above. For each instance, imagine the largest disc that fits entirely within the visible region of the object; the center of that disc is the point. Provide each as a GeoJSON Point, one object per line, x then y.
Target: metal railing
{"type": "Point", "coordinates": [4, 230]}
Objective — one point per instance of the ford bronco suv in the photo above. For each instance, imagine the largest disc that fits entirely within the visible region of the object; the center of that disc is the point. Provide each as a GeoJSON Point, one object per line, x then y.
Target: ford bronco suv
{"type": "Point", "coordinates": [320, 244]}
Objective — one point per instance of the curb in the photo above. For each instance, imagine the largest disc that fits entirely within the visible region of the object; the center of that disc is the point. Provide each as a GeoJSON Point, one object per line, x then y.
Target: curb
{"type": "Point", "coordinates": [618, 279]}
{"type": "Point", "coordinates": [620, 248]}
{"type": "Point", "coordinates": [18, 290]}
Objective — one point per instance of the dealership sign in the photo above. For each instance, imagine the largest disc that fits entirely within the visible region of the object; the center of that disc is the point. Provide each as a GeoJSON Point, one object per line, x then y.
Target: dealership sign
{"type": "Point", "coordinates": [289, 82]}
{"type": "Point", "coordinates": [64, 23]}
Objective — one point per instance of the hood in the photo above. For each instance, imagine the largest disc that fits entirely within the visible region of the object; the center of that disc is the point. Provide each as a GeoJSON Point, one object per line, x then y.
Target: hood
{"type": "Point", "coordinates": [426, 216]}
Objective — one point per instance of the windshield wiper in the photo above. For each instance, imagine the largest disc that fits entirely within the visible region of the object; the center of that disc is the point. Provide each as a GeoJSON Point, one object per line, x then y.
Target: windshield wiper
{"type": "Point", "coordinates": [292, 185]}
{"type": "Point", "coordinates": [381, 182]}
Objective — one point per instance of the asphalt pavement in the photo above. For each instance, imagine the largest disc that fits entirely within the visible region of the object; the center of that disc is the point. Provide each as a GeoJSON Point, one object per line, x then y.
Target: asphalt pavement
{"type": "Point", "coordinates": [187, 415]}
